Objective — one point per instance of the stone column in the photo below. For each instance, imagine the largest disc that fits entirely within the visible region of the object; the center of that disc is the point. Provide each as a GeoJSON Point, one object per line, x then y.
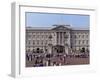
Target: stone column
{"type": "Point", "coordinates": [58, 38]}
{"type": "Point", "coordinates": [44, 49]}
{"type": "Point", "coordinates": [66, 49]}
{"type": "Point", "coordinates": [66, 44]}
{"type": "Point", "coordinates": [50, 48]}
{"type": "Point", "coordinates": [50, 44]}
{"type": "Point", "coordinates": [46, 63]}
{"type": "Point", "coordinates": [62, 38]}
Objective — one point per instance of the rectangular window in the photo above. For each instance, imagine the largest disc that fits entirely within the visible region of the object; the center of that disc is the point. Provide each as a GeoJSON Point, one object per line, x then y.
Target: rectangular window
{"type": "Point", "coordinates": [87, 42]}
{"type": "Point", "coordinates": [86, 36]}
{"type": "Point", "coordinates": [37, 36]}
{"type": "Point", "coordinates": [42, 42]}
{"type": "Point", "coordinates": [37, 42]}
{"type": "Point", "coordinates": [75, 41]}
{"type": "Point", "coordinates": [79, 41]}
{"type": "Point", "coordinates": [75, 36]}
{"type": "Point", "coordinates": [46, 36]}
{"type": "Point", "coordinates": [42, 36]}
{"type": "Point", "coordinates": [33, 42]}
{"type": "Point", "coordinates": [82, 36]}
{"type": "Point", "coordinates": [83, 41]}
{"type": "Point", "coordinates": [46, 42]}
{"type": "Point", "coordinates": [33, 36]}
{"type": "Point", "coordinates": [79, 36]}
{"type": "Point", "coordinates": [28, 42]}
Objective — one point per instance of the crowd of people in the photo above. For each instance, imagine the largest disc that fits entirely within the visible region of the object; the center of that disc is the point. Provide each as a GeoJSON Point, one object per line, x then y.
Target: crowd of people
{"type": "Point", "coordinates": [55, 59]}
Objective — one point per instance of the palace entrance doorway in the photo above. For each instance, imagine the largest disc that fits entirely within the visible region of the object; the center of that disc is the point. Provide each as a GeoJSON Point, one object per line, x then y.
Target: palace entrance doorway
{"type": "Point", "coordinates": [58, 49]}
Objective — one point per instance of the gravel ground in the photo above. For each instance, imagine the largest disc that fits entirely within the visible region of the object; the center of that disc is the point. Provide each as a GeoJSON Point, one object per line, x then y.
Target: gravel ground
{"type": "Point", "coordinates": [66, 61]}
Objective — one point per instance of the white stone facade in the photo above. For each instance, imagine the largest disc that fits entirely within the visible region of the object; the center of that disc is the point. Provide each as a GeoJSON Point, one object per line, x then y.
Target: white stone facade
{"type": "Point", "coordinates": [62, 37]}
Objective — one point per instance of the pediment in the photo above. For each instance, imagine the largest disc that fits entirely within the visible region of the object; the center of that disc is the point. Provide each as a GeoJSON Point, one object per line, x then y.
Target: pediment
{"type": "Point", "coordinates": [61, 27]}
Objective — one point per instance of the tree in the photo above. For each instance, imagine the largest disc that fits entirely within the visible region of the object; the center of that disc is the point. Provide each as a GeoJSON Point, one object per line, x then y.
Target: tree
{"type": "Point", "coordinates": [83, 50]}
{"type": "Point", "coordinates": [38, 50]}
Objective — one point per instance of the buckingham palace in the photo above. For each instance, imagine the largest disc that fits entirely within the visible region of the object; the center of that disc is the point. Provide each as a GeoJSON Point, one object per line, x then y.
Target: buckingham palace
{"type": "Point", "coordinates": [56, 39]}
